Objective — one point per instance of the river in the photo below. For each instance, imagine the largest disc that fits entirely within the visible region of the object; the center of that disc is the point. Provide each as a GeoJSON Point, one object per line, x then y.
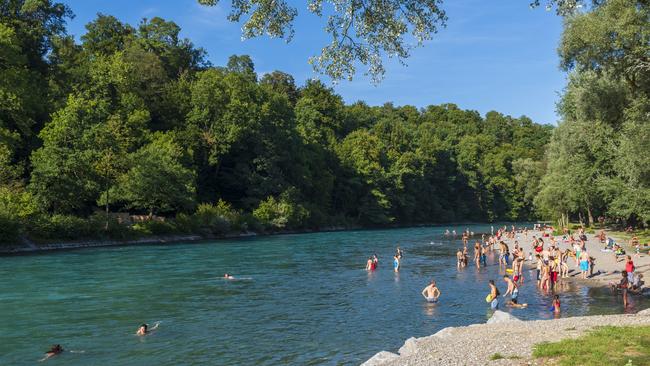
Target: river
{"type": "Point", "coordinates": [304, 300]}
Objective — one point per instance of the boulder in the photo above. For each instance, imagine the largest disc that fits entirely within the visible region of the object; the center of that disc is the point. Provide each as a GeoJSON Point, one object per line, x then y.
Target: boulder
{"type": "Point", "coordinates": [409, 347]}
{"type": "Point", "coordinates": [645, 312]}
{"type": "Point", "coordinates": [502, 317]}
{"type": "Point", "coordinates": [444, 333]}
{"type": "Point", "coordinates": [380, 358]}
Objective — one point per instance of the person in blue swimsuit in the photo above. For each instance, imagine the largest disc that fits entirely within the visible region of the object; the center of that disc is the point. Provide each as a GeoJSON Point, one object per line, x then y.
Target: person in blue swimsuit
{"type": "Point", "coordinates": [396, 263]}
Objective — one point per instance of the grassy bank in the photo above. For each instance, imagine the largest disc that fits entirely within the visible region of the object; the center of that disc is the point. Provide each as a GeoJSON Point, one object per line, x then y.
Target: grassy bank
{"type": "Point", "coordinates": [603, 346]}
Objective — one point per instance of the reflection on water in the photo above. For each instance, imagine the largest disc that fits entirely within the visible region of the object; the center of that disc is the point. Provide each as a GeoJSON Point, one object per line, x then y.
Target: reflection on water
{"type": "Point", "coordinates": [308, 300]}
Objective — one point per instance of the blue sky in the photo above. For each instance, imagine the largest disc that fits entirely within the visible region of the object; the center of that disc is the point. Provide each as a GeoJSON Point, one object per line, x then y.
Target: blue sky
{"type": "Point", "coordinates": [493, 55]}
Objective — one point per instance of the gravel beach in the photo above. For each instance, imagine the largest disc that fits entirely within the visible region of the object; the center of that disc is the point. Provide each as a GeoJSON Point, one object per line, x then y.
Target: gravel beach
{"type": "Point", "coordinates": [512, 338]}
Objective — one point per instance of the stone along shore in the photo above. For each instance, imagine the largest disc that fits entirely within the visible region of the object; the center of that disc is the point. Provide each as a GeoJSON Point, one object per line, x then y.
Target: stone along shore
{"type": "Point", "coordinates": [503, 334]}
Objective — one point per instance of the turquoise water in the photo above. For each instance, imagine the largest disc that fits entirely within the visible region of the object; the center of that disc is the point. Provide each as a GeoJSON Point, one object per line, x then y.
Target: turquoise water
{"type": "Point", "coordinates": [308, 300]}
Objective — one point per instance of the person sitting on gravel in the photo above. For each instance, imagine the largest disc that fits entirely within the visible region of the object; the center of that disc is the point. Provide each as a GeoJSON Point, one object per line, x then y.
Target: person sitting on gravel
{"type": "Point", "coordinates": [637, 284]}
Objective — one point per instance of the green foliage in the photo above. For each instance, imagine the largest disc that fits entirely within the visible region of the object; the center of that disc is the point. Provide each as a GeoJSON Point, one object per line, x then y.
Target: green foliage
{"type": "Point", "coordinates": [219, 219]}
{"type": "Point", "coordinates": [154, 227]}
{"type": "Point", "coordinates": [157, 180]}
{"type": "Point", "coordinates": [17, 207]}
{"type": "Point", "coordinates": [281, 213]}
{"type": "Point", "coordinates": [133, 119]}
{"type": "Point", "coordinates": [605, 345]}
{"type": "Point", "coordinates": [598, 156]}
{"type": "Point", "coordinates": [362, 33]}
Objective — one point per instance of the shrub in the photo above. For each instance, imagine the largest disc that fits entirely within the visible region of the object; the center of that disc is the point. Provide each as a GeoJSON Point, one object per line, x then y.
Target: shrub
{"type": "Point", "coordinates": [219, 219]}
{"type": "Point", "coordinates": [61, 227]}
{"type": "Point", "coordinates": [154, 227]}
{"type": "Point", "coordinates": [10, 228]}
{"type": "Point", "coordinates": [281, 213]}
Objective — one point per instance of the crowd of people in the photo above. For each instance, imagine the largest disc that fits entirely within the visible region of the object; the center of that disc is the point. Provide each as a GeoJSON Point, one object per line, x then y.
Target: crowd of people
{"type": "Point", "coordinates": [551, 264]}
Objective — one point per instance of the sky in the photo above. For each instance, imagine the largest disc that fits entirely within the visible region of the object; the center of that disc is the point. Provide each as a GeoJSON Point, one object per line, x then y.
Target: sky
{"type": "Point", "coordinates": [493, 55]}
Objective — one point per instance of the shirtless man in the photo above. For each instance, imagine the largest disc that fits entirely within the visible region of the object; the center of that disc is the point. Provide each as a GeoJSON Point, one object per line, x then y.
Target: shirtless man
{"type": "Point", "coordinates": [431, 292]}
{"type": "Point", "coordinates": [513, 289]}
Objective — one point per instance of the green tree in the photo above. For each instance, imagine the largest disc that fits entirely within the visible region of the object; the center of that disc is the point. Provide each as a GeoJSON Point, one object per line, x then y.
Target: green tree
{"type": "Point", "coordinates": [158, 181]}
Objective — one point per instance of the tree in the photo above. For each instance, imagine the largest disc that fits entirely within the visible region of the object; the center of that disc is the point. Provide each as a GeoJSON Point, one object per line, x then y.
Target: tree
{"type": "Point", "coordinates": [158, 181]}
{"type": "Point", "coordinates": [362, 32]}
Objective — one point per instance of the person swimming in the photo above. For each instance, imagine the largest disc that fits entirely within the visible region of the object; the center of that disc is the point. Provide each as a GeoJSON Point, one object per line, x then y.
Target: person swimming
{"type": "Point", "coordinates": [228, 277]}
{"type": "Point", "coordinates": [431, 292]}
{"type": "Point", "coordinates": [144, 329]}
{"type": "Point", "coordinates": [53, 351]}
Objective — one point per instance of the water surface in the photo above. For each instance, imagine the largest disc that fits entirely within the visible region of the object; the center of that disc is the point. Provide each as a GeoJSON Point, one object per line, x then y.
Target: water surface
{"type": "Point", "coordinates": [308, 300]}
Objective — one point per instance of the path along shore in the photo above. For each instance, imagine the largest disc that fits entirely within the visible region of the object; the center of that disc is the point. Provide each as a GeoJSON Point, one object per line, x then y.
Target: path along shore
{"type": "Point", "coordinates": [512, 338]}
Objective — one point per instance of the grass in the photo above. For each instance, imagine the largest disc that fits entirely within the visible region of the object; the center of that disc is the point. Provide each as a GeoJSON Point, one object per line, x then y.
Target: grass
{"type": "Point", "coordinates": [602, 346]}
{"type": "Point", "coordinates": [498, 356]}
{"type": "Point", "coordinates": [642, 235]}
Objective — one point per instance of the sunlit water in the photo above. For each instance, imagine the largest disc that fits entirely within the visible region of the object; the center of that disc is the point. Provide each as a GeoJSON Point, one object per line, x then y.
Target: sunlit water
{"type": "Point", "coordinates": [308, 300]}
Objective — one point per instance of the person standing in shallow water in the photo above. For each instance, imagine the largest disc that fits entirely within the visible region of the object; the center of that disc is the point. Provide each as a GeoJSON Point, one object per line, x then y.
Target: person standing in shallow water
{"type": "Point", "coordinates": [396, 263]}
{"type": "Point", "coordinates": [494, 295]}
{"type": "Point", "coordinates": [431, 292]}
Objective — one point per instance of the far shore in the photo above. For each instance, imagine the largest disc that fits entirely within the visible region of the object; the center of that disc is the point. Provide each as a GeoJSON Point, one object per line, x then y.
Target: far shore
{"type": "Point", "coordinates": [27, 246]}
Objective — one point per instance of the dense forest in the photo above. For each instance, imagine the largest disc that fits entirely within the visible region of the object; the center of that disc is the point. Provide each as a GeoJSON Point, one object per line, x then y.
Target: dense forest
{"type": "Point", "coordinates": [134, 119]}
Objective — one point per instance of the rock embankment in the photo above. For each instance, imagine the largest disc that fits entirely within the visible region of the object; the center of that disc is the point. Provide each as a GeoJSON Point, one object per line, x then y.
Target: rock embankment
{"type": "Point", "coordinates": [503, 334]}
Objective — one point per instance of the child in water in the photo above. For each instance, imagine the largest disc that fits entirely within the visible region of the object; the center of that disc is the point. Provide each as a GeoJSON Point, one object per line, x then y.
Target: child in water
{"type": "Point", "coordinates": [555, 306]}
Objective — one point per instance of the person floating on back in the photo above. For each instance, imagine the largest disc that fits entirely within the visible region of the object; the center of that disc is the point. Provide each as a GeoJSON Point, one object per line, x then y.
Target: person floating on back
{"type": "Point", "coordinates": [431, 292]}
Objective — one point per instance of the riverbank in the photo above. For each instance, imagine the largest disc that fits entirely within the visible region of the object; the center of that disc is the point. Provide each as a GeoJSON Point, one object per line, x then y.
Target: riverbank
{"type": "Point", "coordinates": [511, 339]}
{"type": "Point", "coordinates": [607, 268]}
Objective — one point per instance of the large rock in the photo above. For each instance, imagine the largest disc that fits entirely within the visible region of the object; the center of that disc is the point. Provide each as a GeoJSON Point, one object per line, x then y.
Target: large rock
{"type": "Point", "coordinates": [409, 347]}
{"type": "Point", "coordinates": [380, 359]}
{"type": "Point", "coordinates": [645, 312]}
{"type": "Point", "coordinates": [445, 332]}
{"type": "Point", "coordinates": [502, 317]}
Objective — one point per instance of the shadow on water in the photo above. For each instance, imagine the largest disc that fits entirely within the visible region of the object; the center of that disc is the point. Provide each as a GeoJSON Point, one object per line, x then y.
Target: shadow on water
{"type": "Point", "coordinates": [308, 300]}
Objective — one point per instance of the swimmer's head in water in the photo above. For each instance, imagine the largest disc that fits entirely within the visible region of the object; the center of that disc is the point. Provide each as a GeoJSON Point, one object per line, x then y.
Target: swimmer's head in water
{"type": "Point", "coordinates": [55, 349]}
{"type": "Point", "coordinates": [144, 327]}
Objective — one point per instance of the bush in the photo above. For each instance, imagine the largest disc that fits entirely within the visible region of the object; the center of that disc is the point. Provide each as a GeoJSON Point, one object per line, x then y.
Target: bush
{"type": "Point", "coordinates": [10, 229]}
{"type": "Point", "coordinates": [219, 219]}
{"type": "Point", "coordinates": [62, 227]}
{"type": "Point", "coordinates": [155, 228]}
{"type": "Point", "coordinates": [282, 213]}
{"type": "Point", "coordinates": [16, 207]}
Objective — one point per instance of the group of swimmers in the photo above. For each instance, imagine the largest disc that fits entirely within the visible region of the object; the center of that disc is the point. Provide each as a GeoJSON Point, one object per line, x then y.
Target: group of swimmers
{"type": "Point", "coordinates": [373, 262]}
{"type": "Point", "coordinates": [57, 349]}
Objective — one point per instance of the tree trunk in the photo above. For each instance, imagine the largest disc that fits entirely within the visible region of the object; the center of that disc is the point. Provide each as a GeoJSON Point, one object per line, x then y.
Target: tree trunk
{"type": "Point", "coordinates": [590, 216]}
{"type": "Point", "coordinates": [106, 227]}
